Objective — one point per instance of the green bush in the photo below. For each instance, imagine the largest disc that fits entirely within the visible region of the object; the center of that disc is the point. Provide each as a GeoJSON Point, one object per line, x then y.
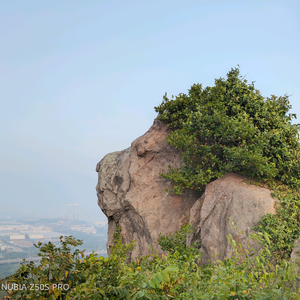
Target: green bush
{"type": "Point", "coordinates": [231, 127]}
{"type": "Point", "coordinates": [64, 274]}
{"type": "Point", "coordinates": [177, 242]}
{"type": "Point", "coordinates": [283, 227]}
{"type": "Point", "coordinates": [175, 275]}
{"type": "Point", "coordinates": [226, 128]}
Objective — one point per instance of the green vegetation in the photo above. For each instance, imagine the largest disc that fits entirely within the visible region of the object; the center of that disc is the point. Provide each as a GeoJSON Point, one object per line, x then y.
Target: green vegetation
{"type": "Point", "coordinates": [231, 127]}
{"type": "Point", "coordinates": [175, 275]}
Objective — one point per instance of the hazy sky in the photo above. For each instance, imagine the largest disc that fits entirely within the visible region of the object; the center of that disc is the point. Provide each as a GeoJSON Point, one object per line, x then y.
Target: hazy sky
{"type": "Point", "coordinates": [80, 79]}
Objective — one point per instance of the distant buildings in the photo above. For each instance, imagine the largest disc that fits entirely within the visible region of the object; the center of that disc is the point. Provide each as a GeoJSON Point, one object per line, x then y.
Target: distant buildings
{"type": "Point", "coordinates": [24, 236]}
{"type": "Point", "coordinates": [17, 237]}
{"type": "Point", "coordinates": [88, 230]}
{"type": "Point", "coordinates": [20, 237]}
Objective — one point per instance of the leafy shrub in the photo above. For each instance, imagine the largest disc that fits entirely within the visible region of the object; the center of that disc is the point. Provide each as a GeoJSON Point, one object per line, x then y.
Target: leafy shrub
{"type": "Point", "coordinates": [64, 274]}
{"type": "Point", "coordinates": [100, 276]}
{"type": "Point", "coordinates": [231, 127]}
{"type": "Point", "coordinates": [56, 268]}
{"type": "Point", "coordinates": [226, 128]}
{"type": "Point", "coordinates": [283, 227]}
{"type": "Point", "coordinates": [177, 242]}
{"type": "Point", "coordinates": [172, 276]}
{"type": "Point", "coordinates": [177, 276]}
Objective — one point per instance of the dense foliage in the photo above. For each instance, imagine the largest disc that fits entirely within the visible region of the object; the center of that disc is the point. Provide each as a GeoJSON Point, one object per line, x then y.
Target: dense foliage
{"type": "Point", "coordinates": [231, 127]}
{"type": "Point", "coordinates": [175, 275]}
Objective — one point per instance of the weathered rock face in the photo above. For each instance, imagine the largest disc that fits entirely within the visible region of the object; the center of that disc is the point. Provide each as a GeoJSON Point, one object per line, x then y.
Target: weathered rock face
{"type": "Point", "coordinates": [225, 199]}
{"type": "Point", "coordinates": [131, 193]}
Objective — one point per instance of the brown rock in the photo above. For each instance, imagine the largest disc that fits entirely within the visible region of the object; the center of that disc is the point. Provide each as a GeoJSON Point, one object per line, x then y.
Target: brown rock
{"type": "Point", "coordinates": [131, 192]}
{"type": "Point", "coordinates": [231, 198]}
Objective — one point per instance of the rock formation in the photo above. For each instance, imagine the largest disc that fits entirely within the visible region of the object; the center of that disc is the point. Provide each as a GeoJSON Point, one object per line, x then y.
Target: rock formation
{"type": "Point", "coordinates": [131, 193]}
{"type": "Point", "coordinates": [228, 199]}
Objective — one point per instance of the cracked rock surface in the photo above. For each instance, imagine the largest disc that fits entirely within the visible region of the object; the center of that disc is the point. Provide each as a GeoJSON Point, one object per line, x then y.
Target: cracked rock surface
{"type": "Point", "coordinates": [131, 192]}
{"type": "Point", "coordinates": [230, 199]}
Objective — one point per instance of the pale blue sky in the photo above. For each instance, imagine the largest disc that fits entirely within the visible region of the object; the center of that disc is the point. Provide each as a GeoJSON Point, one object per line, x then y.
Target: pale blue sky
{"type": "Point", "coordinates": [79, 79]}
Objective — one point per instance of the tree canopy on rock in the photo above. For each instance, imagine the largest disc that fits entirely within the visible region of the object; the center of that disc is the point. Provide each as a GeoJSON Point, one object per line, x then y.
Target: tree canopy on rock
{"type": "Point", "coordinates": [231, 127]}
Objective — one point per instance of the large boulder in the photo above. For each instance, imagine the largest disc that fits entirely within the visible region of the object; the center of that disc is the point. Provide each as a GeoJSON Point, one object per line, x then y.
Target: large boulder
{"type": "Point", "coordinates": [132, 194]}
{"type": "Point", "coordinates": [229, 199]}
